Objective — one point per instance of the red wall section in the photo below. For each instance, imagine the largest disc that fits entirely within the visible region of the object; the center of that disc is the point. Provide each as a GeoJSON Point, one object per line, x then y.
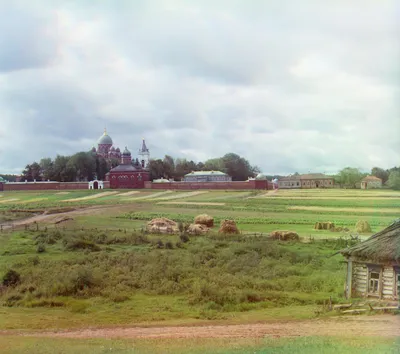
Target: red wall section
{"type": "Point", "coordinates": [35, 186]}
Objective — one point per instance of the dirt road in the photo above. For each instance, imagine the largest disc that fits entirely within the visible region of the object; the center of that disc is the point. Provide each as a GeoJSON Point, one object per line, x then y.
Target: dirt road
{"type": "Point", "coordinates": [378, 326]}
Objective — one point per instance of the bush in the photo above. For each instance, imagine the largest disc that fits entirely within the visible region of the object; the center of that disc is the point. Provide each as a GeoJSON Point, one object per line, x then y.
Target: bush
{"type": "Point", "coordinates": [169, 245]}
{"type": "Point", "coordinates": [41, 248]}
{"type": "Point", "coordinates": [184, 238]}
{"type": "Point", "coordinates": [11, 278]}
{"type": "Point", "coordinates": [81, 244]}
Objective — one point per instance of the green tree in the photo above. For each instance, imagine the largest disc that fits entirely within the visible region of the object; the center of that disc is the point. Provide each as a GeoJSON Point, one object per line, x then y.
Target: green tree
{"type": "Point", "coordinates": [101, 167]}
{"type": "Point", "coordinates": [380, 173]}
{"type": "Point", "coordinates": [169, 166]}
{"type": "Point", "coordinates": [156, 169]}
{"type": "Point", "coordinates": [84, 164]}
{"type": "Point", "coordinates": [183, 167]}
{"type": "Point", "coordinates": [238, 167]}
{"type": "Point", "coordinates": [216, 164]}
{"type": "Point", "coordinates": [349, 177]}
{"type": "Point", "coordinates": [46, 168]}
{"type": "Point", "coordinates": [394, 180]}
{"type": "Point", "coordinates": [63, 172]}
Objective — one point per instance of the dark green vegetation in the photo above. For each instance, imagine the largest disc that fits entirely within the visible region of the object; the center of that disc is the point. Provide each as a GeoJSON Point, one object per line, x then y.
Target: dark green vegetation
{"type": "Point", "coordinates": [306, 345]}
{"type": "Point", "coordinates": [213, 276]}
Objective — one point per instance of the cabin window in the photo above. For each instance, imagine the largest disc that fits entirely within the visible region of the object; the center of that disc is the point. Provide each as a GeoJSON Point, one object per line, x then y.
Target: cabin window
{"type": "Point", "coordinates": [374, 275]}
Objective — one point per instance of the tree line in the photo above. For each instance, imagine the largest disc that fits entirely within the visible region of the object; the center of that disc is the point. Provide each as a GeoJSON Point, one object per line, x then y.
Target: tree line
{"type": "Point", "coordinates": [85, 166]}
{"type": "Point", "coordinates": [232, 164]}
{"type": "Point", "coordinates": [350, 177]}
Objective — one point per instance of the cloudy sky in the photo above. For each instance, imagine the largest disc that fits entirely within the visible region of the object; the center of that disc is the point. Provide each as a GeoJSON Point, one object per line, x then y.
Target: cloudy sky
{"type": "Point", "coordinates": [291, 85]}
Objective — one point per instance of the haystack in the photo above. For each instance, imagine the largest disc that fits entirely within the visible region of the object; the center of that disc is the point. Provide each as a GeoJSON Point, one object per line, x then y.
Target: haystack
{"type": "Point", "coordinates": [228, 227]}
{"type": "Point", "coordinates": [362, 226]}
{"type": "Point", "coordinates": [197, 229]}
{"type": "Point", "coordinates": [204, 219]}
{"type": "Point", "coordinates": [284, 235]}
{"type": "Point", "coordinates": [324, 225]}
{"type": "Point", "coordinates": [162, 225]}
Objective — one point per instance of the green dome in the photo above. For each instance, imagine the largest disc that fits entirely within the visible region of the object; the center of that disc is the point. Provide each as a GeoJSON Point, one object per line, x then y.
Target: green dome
{"type": "Point", "coordinates": [105, 139]}
{"type": "Point", "coordinates": [2, 179]}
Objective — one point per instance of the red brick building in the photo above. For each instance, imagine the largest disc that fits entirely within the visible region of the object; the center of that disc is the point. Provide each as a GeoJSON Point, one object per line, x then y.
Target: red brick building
{"type": "Point", "coordinates": [128, 175]}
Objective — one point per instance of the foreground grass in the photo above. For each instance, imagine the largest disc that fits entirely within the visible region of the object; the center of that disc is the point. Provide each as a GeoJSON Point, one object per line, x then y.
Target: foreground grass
{"type": "Point", "coordinates": [305, 345]}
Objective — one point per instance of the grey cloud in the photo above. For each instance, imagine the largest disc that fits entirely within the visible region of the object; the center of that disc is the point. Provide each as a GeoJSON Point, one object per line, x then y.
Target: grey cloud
{"type": "Point", "coordinates": [293, 86]}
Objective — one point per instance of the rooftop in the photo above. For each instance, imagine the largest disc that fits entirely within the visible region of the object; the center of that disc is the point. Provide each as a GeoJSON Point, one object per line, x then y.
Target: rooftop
{"type": "Point", "coordinates": [206, 173]}
{"type": "Point", "coordinates": [384, 246]}
{"type": "Point", "coordinates": [371, 178]}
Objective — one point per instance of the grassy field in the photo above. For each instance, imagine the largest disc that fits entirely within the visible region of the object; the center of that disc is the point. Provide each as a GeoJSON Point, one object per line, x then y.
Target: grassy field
{"type": "Point", "coordinates": [99, 269]}
{"type": "Point", "coordinates": [14, 345]}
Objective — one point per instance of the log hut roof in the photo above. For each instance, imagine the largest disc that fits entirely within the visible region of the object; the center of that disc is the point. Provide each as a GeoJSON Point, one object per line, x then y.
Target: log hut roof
{"type": "Point", "coordinates": [383, 246]}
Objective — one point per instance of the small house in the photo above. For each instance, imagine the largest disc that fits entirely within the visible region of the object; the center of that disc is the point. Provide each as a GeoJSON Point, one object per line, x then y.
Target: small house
{"type": "Point", "coordinates": [371, 182]}
{"type": "Point", "coordinates": [373, 266]}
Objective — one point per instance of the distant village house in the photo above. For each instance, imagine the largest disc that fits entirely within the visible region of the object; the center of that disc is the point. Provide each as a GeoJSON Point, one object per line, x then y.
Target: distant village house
{"type": "Point", "coordinates": [306, 181]}
{"type": "Point", "coordinates": [371, 182]}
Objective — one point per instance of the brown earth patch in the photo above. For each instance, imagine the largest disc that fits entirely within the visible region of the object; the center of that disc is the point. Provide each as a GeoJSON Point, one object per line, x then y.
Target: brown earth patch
{"type": "Point", "coordinates": [349, 326]}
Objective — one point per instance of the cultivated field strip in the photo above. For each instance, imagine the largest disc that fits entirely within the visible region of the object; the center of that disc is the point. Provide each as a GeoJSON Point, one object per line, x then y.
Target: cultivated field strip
{"type": "Point", "coordinates": [181, 195]}
{"type": "Point", "coordinates": [150, 196]}
{"type": "Point", "coordinates": [194, 203]}
{"type": "Point", "coordinates": [95, 196]}
{"type": "Point", "coordinates": [338, 209]}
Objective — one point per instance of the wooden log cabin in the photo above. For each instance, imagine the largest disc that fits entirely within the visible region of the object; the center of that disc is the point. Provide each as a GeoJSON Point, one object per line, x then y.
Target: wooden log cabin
{"type": "Point", "coordinates": [373, 266]}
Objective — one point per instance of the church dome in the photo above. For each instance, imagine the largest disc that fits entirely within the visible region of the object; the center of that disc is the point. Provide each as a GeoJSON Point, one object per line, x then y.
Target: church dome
{"type": "Point", "coordinates": [261, 176]}
{"type": "Point", "coordinates": [126, 152]}
{"type": "Point", "coordinates": [105, 139]}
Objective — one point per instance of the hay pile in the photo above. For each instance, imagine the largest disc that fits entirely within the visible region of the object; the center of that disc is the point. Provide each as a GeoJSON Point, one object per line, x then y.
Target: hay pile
{"type": "Point", "coordinates": [228, 227]}
{"type": "Point", "coordinates": [284, 235]}
{"type": "Point", "coordinates": [362, 226]}
{"type": "Point", "coordinates": [162, 226]}
{"type": "Point", "coordinates": [340, 229]}
{"type": "Point", "coordinates": [324, 225]}
{"type": "Point", "coordinates": [197, 229]}
{"type": "Point", "coordinates": [204, 219]}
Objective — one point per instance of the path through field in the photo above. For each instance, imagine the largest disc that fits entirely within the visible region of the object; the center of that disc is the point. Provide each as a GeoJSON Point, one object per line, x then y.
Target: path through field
{"type": "Point", "coordinates": [377, 325]}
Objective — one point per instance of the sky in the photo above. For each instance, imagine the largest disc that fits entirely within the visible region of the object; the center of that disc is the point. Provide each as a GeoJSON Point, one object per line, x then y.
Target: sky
{"type": "Point", "coordinates": [293, 86]}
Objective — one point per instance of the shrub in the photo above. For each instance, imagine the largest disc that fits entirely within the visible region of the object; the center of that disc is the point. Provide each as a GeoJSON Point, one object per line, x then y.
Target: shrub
{"type": "Point", "coordinates": [41, 248]}
{"type": "Point", "coordinates": [78, 244]}
{"type": "Point", "coordinates": [184, 238]}
{"type": "Point", "coordinates": [169, 245]}
{"type": "Point", "coordinates": [11, 278]}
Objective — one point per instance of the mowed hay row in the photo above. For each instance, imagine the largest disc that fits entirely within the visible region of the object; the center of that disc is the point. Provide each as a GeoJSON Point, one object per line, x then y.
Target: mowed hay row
{"type": "Point", "coordinates": [95, 196]}
{"type": "Point", "coordinates": [228, 227]}
{"type": "Point", "coordinates": [150, 195]}
{"type": "Point", "coordinates": [9, 200]}
{"type": "Point", "coordinates": [182, 195]}
{"type": "Point", "coordinates": [127, 194]}
{"type": "Point", "coordinates": [204, 219]}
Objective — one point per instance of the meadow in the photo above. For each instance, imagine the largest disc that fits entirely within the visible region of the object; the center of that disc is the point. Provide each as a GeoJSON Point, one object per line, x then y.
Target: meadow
{"type": "Point", "coordinates": [99, 268]}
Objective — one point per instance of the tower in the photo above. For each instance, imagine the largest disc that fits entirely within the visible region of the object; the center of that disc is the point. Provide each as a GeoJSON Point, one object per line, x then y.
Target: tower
{"type": "Point", "coordinates": [144, 155]}
{"type": "Point", "coordinates": [126, 158]}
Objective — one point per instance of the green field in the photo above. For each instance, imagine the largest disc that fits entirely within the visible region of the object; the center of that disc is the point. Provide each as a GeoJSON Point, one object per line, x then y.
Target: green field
{"type": "Point", "coordinates": [100, 269]}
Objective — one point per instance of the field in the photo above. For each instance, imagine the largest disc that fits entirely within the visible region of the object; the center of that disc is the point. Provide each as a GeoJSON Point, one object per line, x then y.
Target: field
{"type": "Point", "coordinates": [85, 261]}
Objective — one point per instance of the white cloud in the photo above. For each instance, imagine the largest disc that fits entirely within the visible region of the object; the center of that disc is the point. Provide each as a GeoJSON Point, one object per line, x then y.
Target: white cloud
{"type": "Point", "coordinates": [310, 86]}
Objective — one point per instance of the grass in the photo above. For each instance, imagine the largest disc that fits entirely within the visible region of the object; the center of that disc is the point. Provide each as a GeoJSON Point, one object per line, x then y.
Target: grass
{"type": "Point", "coordinates": [305, 345]}
{"type": "Point", "coordinates": [109, 275]}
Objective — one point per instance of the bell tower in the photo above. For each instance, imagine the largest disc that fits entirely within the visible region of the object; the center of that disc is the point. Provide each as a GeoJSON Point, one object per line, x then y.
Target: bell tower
{"type": "Point", "coordinates": [144, 155]}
